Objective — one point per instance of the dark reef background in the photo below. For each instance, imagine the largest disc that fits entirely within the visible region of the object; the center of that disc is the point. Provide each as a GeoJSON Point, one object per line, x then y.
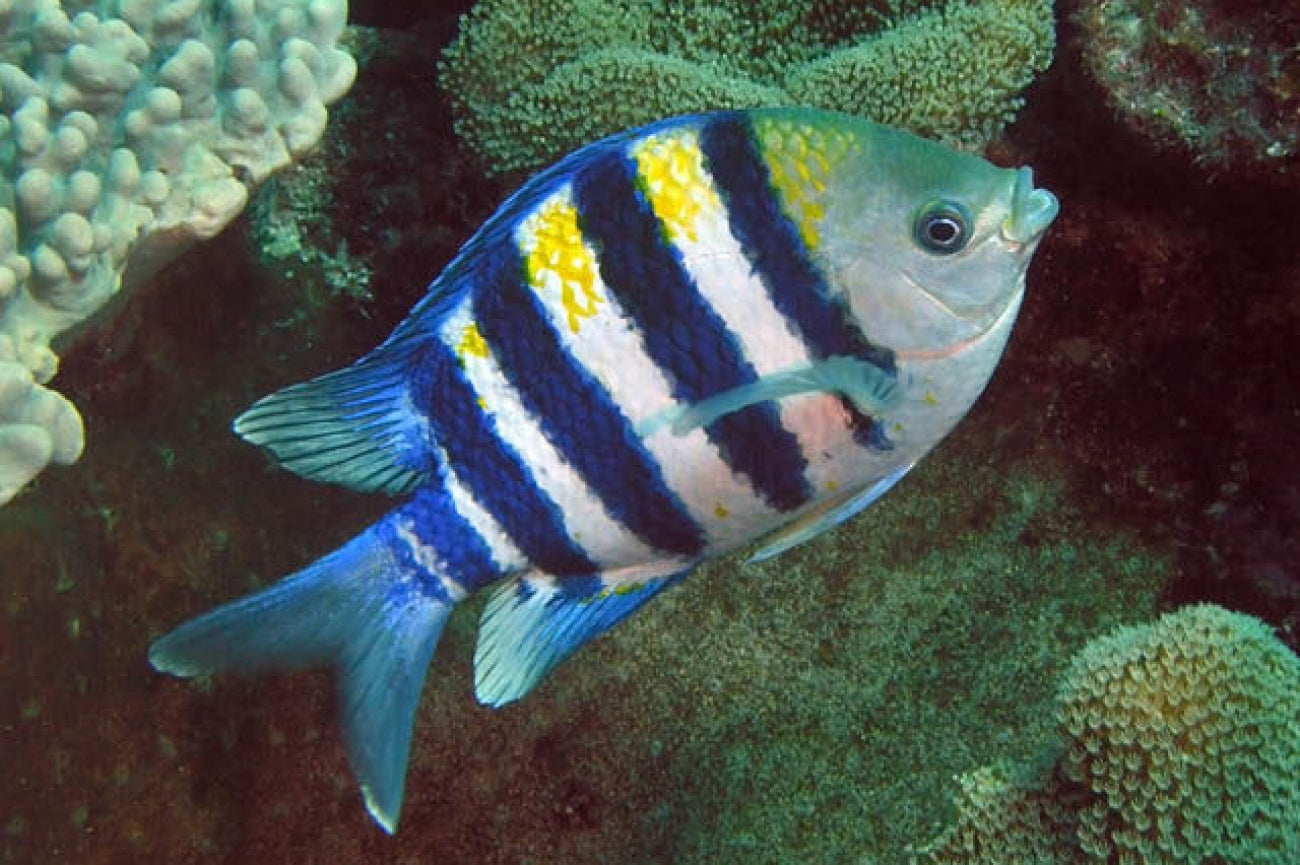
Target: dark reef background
{"type": "Point", "coordinates": [1135, 451]}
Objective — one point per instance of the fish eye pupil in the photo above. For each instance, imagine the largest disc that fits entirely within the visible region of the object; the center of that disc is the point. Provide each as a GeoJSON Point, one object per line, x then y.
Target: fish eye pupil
{"type": "Point", "coordinates": [941, 228]}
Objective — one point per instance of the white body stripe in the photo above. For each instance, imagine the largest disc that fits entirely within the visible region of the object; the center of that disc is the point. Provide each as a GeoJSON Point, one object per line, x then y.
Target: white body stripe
{"type": "Point", "coordinates": [728, 282]}
{"type": "Point", "coordinates": [427, 558]}
{"type": "Point", "coordinates": [609, 346]}
{"type": "Point", "coordinates": [602, 538]}
{"type": "Point", "coordinates": [505, 555]}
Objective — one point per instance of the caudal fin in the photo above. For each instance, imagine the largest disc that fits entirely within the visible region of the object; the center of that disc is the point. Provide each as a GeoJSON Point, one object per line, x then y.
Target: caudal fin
{"type": "Point", "coordinates": [356, 610]}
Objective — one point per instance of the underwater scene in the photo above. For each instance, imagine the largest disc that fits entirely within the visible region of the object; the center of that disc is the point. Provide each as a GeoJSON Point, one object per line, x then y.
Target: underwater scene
{"type": "Point", "coordinates": [984, 477]}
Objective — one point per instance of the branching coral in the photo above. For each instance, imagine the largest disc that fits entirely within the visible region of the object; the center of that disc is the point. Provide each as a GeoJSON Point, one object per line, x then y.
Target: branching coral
{"type": "Point", "coordinates": [1182, 744]}
{"type": "Point", "coordinates": [532, 79]}
{"type": "Point", "coordinates": [129, 128]}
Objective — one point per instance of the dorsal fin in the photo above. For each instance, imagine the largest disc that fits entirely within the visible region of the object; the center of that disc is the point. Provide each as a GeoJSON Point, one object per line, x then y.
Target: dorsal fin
{"type": "Point", "coordinates": [355, 426]}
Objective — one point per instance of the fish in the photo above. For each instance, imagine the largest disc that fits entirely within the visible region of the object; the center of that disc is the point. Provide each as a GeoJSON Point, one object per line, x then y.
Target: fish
{"type": "Point", "coordinates": [722, 330]}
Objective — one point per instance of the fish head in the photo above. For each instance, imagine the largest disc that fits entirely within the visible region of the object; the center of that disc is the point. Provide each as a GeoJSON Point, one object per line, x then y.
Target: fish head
{"type": "Point", "coordinates": [928, 245]}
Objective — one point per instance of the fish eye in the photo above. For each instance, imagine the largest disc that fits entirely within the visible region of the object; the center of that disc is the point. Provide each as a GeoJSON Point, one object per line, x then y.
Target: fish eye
{"type": "Point", "coordinates": [942, 227]}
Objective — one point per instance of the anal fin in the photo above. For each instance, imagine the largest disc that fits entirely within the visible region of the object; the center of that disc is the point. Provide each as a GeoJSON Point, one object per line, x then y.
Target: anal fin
{"type": "Point", "coordinates": [531, 624]}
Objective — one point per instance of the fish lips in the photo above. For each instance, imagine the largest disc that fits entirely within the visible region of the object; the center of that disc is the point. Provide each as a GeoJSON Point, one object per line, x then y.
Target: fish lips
{"type": "Point", "coordinates": [1032, 210]}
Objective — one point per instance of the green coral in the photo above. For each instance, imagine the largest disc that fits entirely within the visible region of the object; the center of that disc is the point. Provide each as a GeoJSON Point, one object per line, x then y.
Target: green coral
{"type": "Point", "coordinates": [290, 220]}
{"type": "Point", "coordinates": [1182, 745]}
{"type": "Point", "coordinates": [532, 79]}
{"type": "Point", "coordinates": [1005, 820]}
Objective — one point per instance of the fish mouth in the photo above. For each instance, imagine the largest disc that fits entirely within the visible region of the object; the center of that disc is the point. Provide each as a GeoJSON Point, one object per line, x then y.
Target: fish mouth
{"type": "Point", "coordinates": [1032, 210]}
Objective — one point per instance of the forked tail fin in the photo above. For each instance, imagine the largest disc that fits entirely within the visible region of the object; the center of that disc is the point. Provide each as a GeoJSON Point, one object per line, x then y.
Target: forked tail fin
{"type": "Point", "coordinates": [369, 613]}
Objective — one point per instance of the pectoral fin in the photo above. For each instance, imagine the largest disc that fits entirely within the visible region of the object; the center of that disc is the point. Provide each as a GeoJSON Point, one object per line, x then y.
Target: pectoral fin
{"type": "Point", "coordinates": [871, 389]}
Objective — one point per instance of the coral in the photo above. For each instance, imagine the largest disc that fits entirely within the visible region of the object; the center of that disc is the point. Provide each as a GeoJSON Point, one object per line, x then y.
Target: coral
{"type": "Point", "coordinates": [1182, 744]}
{"type": "Point", "coordinates": [532, 79]}
{"type": "Point", "coordinates": [905, 76]}
{"type": "Point", "coordinates": [130, 129]}
{"type": "Point", "coordinates": [1217, 79]}
{"type": "Point", "coordinates": [848, 680]}
{"type": "Point", "coordinates": [37, 426]}
{"type": "Point", "coordinates": [1003, 820]}
{"type": "Point", "coordinates": [1187, 734]}
{"type": "Point", "coordinates": [287, 216]}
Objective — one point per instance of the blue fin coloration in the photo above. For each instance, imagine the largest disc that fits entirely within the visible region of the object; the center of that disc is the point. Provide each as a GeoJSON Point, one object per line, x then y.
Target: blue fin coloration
{"type": "Point", "coordinates": [530, 625]}
{"type": "Point", "coordinates": [827, 516]}
{"type": "Point", "coordinates": [355, 426]}
{"type": "Point", "coordinates": [870, 388]}
{"type": "Point", "coordinates": [354, 609]}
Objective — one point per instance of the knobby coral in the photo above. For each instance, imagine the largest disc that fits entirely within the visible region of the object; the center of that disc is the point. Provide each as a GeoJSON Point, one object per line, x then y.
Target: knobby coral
{"type": "Point", "coordinates": [128, 129]}
{"type": "Point", "coordinates": [1182, 744]}
{"type": "Point", "coordinates": [533, 79]}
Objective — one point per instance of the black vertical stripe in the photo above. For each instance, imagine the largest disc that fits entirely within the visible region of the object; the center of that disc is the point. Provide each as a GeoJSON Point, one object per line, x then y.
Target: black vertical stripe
{"type": "Point", "coordinates": [773, 246]}
{"type": "Point", "coordinates": [463, 554]}
{"type": "Point", "coordinates": [495, 475]}
{"type": "Point", "coordinates": [575, 412]}
{"type": "Point", "coordinates": [683, 335]}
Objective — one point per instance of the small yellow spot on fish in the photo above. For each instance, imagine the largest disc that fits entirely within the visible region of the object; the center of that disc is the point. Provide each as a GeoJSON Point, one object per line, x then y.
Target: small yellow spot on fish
{"type": "Point", "coordinates": [930, 398]}
{"type": "Point", "coordinates": [482, 403]}
{"type": "Point", "coordinates": [720, 512]}
{"type": "Point", "coordinates": [832, 486]}
{"type": "Point", "coordinates": [471, 343]}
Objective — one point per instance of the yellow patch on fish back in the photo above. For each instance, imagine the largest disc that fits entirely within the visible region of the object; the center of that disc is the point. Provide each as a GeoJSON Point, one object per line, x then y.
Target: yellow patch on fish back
{"type": "Point", "coordinates": [721, 512]}
{"type": "Point", "coordinates": [557, 260]}
{"type": "Point", "coordinates": [670, 171]}
{"type": "Point", "coordinates": [471, 343]}
{"type": "Point", "coordinates": [800, 159]}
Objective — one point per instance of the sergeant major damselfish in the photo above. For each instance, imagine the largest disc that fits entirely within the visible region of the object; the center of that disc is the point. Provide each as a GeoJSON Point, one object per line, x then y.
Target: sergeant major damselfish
{"type": "Point", "coordinates": [716, 329]}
